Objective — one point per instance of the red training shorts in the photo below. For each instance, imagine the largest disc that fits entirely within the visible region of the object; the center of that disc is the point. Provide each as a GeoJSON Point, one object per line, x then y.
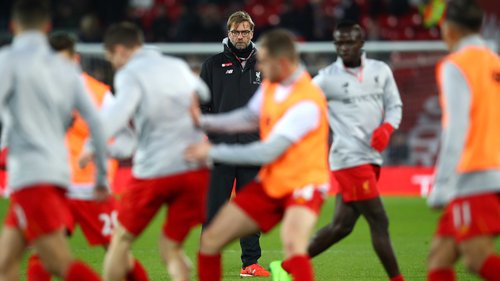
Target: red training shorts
{"type": "Point", "coordinates": [358, 183]}
{"type": "Point", "coordinates": [183, 193]}
{"type": "Point", "coordinates": [471, 216]}
{"type": "Point", "coordinates": [38, 210]}
{"type": "Point", "coordinates": [96, 219]}
{"type": "Point", "coordinates": [267, 211]}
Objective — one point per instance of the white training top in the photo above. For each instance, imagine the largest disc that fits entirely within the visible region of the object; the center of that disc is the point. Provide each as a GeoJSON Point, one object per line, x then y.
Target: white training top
{"type": "Point", "coordinates": [39, 91]}
{"type": "Point", "coordinates": [156, 92]}
{"type": "Point", "coordinates": [359, 101]}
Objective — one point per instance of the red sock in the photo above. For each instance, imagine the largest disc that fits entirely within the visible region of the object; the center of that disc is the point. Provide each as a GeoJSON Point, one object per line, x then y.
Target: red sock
{"type": "Point", "coordinates": [299, 267]}
{"type": "Point", "coordinates": [78, 271]}
{"type": "Point", "coordinates": [36, 271]}
{"type": "Point", "coordinates": [137, 273]}
{"type": "Point", "coordinates": [397, 278]}
{"type": "Point", "coordinates": [489, 269]}
{"type": "Point", "coordinates": [442, 274]}
{"type": "Point", "coordinates": [209, 267]}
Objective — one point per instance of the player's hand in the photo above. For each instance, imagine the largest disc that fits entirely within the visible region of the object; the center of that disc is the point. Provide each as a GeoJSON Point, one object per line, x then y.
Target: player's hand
{"type": "Point", "coordinates": [437, 199]}
{"type": "Point", "coordinates": [101, 193]}
{"type": "Point", "coordinates": [85, 159]}
{"type": "Point", "coordinates": [198, 153]}
{"type": "Point", "coordinates": [381, 136]}
{"type": "Point", "coordinates": [195, 110]}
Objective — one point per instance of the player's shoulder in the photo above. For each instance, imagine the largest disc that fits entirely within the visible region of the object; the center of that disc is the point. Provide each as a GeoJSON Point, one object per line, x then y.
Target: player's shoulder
{"type": "Point", "coordinates": [377, 65]}
{"type": "Point", "coordinates": [5, 53]}
{"type": "Point", "coordinates": [331, 69]}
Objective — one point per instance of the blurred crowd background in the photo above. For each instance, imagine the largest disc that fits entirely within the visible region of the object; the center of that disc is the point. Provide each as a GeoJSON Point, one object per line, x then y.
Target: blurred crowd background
{"type": "Point", "coordinates": [202, 21]}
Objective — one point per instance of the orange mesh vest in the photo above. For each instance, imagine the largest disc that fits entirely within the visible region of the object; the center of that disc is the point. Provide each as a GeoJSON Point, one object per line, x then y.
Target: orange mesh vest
{"type": "Point", "coordinates": [78, 134]}
{"type": "Point", "coordinates": [481, 69]}
{"type": "Point", "coordinates": [305, 162]}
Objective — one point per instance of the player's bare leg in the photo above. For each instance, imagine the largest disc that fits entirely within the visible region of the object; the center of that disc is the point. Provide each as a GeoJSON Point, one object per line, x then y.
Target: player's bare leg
{"type": "Point", "coordinates": [374, 212]}
{"type": "Point", "coordinates": [178, 264]}
{"type": "Point", "coordinates": [117, 260]}
{"type": "Point", "coordinates": [296, 229]}
{"type": "Point", "coordinates": [54, 252]}
{"type": "Point", "coordinates": [343, 222]}
{"type": "Point", "coordinates": [442, 256]}
{"type": "Point", "coordinates": [477, 253]}
{"type": "Point", "coordinates": [229, 224]}
{"type": "Point", "coordinates": [298, 224]}
{"type": "Point", "coordinates": [13, 246]}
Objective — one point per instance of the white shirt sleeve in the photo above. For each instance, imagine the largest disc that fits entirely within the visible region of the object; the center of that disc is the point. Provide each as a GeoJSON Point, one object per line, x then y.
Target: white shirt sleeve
{"type": "Point", "coordinates": [321, 80]}
{"type": "Point", "coordinates": [299, 120]}
{"type": "Point", "coordinates": [128, 96]}
{"type": "Point", "coordinates": [393, 110]}
{"type": "Point", "coordinates": [6, 76]}
{"type": "Point", "coordinates": [255, 102]}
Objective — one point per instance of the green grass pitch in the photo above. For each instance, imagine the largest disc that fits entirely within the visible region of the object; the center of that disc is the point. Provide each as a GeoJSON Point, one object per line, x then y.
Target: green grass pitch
{"type": "Point", "coordinates": [411, 224]}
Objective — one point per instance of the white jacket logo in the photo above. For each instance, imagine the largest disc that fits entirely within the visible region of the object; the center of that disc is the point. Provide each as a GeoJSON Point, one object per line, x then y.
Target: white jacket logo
{"type": "Point", "coordinates": [229, 71]}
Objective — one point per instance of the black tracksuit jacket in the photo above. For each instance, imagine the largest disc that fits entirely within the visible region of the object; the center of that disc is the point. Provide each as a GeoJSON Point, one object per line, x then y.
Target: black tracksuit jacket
{"type": "Point", "coordinates": [231, 87]}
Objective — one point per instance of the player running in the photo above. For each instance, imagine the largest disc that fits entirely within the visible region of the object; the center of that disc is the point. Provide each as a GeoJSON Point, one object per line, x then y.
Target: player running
{"type": "Point", "coordinates": [39, 92]}
{"type": "Point", "coordinates": [157, 93]}
{"type": "Point", "coordinates": [467, 182]}
{"type": "Point", "coordinates": [95, 218]}
{"type": "Point", "coordinates": [364, 109]}
{"type": "Point", "coordinates": [291, 114]}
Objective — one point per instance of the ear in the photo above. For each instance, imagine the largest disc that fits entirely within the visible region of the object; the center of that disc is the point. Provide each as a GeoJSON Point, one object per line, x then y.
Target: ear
{"type": "Point", "coordinates": [13, 27]}
{"type": "Point", "coordinates": [77, 58]}
{"type": "Point", "coordinates": [47, 27]}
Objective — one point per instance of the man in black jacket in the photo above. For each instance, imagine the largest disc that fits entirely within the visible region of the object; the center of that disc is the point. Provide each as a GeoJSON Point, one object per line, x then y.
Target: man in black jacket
{"type": "Point", "coordinates": [233, 79]}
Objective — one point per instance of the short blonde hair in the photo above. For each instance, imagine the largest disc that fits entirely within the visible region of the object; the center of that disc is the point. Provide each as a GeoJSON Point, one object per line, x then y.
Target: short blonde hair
{"type": "Point", "coordinates": [238, 17]}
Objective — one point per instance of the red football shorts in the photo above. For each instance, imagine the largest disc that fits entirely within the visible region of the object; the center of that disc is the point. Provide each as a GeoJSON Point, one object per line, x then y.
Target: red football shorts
{"type": "Point", "coordinates": [358, 183]}
{"type": "Point", "coordinates": [184, 194]}
{"type": "Point", "coordinates": [471, 216]}
{"type": "Point", "coordinates": [96, 219]}
{"type": "Point", "coordinates": [38, 210]}
{"type": "Point", "coordinates": [267, 211]}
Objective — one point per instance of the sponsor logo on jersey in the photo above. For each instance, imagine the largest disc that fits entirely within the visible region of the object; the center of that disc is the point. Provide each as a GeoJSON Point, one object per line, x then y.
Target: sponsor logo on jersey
{"type": "Point", "coordinates": [229, 71]}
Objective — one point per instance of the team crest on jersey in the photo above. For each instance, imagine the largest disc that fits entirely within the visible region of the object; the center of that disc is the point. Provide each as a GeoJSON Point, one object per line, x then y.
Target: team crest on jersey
{"type": "Point", "coordinates": [257, 78]}
{"type": "Point", "coordinates": [345, 86]}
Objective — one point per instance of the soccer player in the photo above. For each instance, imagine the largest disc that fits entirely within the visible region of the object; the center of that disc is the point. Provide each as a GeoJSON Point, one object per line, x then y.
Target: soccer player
{"type": "Point", "coordinates": [95, 218]}
{"type": "Point", "coordinates": [291, 114]}
{"type": "Point", "coordinates": [364, 109]}
{"type": "Point", "coordinates": [157, 92]}
{"type": "Point", "coordinates": [233, 78]}
{"type": "Point", "coordinates": [39, 92]}
{"type": "Point", "coordinates": [467, 182]}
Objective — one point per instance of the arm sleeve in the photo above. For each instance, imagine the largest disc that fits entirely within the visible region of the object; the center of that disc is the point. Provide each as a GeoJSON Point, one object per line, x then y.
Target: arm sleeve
{"type": "Point", "coordinates": [457, 100]}
{"type": "Point", "coordinates": [294, 125]}
{"type": "Point", "coordinates": [124, 144]}
{"type": "Point", "coordinates": [6, 78]}
{"type": "Point", "coordinates": [128, 95]}
{"type": "Point", "coordinates": [245, 119]}
{"type": "Point", "coordinates": [321, 81]}
{"type": "Point", "coordinates": [256, 153]}
{"type": "Point", "coordinates": [393, 107]}
{"type": "Point", "coordinates": [86, 108]}
{"type": "Point", "coordinates": [206, 76]}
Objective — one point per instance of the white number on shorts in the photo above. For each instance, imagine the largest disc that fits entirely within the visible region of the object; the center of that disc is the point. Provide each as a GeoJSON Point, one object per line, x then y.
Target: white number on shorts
{"type": "Point", "coordinates": [109, 221]}
{"type": "Point", "coordinates": [305, 193]}
{"type": "Point", "coordinates": [461, 215]}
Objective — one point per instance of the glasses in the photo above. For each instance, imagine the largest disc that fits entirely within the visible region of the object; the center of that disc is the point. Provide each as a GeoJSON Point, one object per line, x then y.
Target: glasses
{"type": "Point", "coordinates": [243, 33]}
